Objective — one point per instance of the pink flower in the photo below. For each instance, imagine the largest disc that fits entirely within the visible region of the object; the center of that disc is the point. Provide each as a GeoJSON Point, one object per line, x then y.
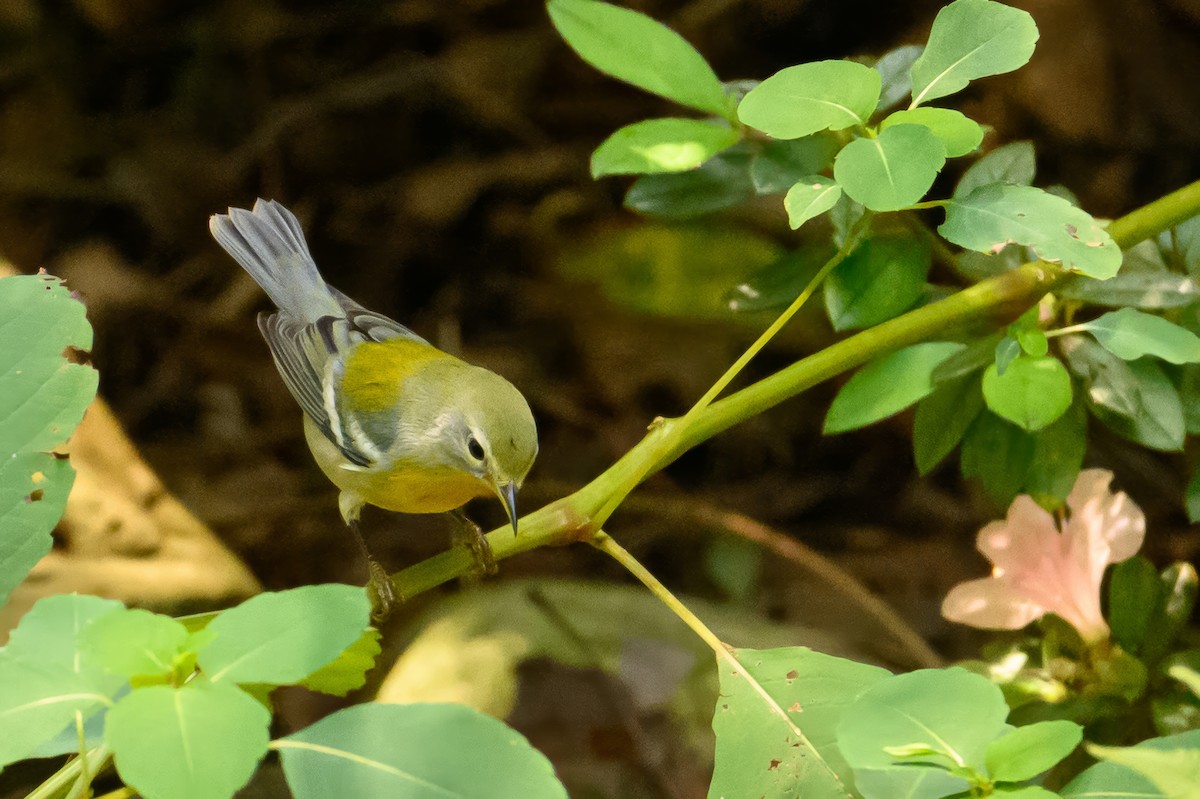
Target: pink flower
{"type": "Point", "coordinates": [1039, 570]}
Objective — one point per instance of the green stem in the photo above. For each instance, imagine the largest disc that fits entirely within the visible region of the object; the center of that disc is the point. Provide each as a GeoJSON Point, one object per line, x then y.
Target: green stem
{"type": "Point", "coordinates": [988, 305]}
{"type": "Point", "coordinates": [58, 782]}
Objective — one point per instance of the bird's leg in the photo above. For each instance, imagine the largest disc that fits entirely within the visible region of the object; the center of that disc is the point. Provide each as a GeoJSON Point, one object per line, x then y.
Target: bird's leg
{"type": "Point", "coordinates": [468, 534]}
{"type": "Point", "coordinates": [380, 588]}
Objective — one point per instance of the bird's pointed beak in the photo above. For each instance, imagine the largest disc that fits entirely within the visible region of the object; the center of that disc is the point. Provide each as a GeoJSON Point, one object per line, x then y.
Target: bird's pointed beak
{"type": "Point", "coordinates": [508, 495]}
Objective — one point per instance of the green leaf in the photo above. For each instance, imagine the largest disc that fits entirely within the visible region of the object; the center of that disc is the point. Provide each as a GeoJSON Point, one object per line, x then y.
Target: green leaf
{"type": "Point", "coordinates": [958, 134]}
{"type": "Point", "coordinates": [951, 711]}
{"type": "Point", "coordinates": [1011, 163]}
{"type": "Point", "coordinates": [1032, 392]}
{"type": "Point", "coordinates": [893, 68]}
{"type": "Point", "coordinates": [778, 165]}
{"type": "Point", "coordinates": [133, 642]}
{"type": "Point", "coordinates": [1192, 499]}
{"type": "Point", "coordinates": [1024, 792]}
{"type": "Point", "coordinates": [786, 748]}
{"type": "Point", "coordinates": [808, 98]}
{"type": "Point", "coordinates": [349, 671]}
{"type": "Point", "coordinates": [887, 386]}
{"type": "Point", "coordinates": [280, 638]}
{"type": "Point", "coordinates": [1131, 334]}
{"type": "Point", "coordinates": [669, 270]}
{"type": "Point", "coordinates": [417, 751]}
{"type": "Point", "coordinates": [1114, 781]}
{"type": "Point", "coordinates": [1025, 752]}
{"type": "Point", "coordinates": [1149, 290]}
{"type": "Point", "coordinates": [719, 183]}
{"type": "Point", "coordinates": [734, 565]}
{"type": "Point", "coordinates": [660, 145]}
{"type": "Point", "coordinates": [1184, 241]}
{"type": "Point", "coordinates": [1058, 452]}
{"type": "Point", "coordinates": [1007, 349]}
{"type": "Point", "coordinates": [993, 215]}
{"type": "Point", "coordinates": [1174, 772]}
{"type": "Point", "coordinates": [971, 39]}
{"type": "Point", "coordinates": [892, 170]}
{"type": "Point", "coordinates": [999, 454]}
{"type": "Point", "coordinates": [1033, 341]}
{"type": "Point", "coordinates": [49, 633]}
{"type": "Point", "coordinates": [1178, 599]}
{"type": "Point", "coordinates": [636, 49]}
{"type": "Point", "coordinates": [881, 279]}
{"type": "Point", "coordinates": [201, 741]}
{"type": "Point", "coordinates": [942, 419]}
{"type": "Point", "coordinates": [1134, 596]}
{"type": "Point", "coordinates": [40, 700]}
{"type": "Point", "coordinates": [810, 197]}
{"type": "Point", "coordinates": [781, 281]}
{"type": "Point", "coordinates": [42, 399]}
{"type": "Point", "coordinates": [977, 355]}
{"type": "Point", "coordinates": [1134, 398]}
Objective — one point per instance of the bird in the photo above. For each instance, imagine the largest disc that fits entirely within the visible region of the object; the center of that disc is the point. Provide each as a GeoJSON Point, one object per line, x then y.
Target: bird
{"type": "Point", "coordinates": [391, 420]}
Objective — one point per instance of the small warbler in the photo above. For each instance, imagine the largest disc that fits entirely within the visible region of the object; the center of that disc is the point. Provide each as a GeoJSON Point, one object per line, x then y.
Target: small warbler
{"type": "Point", "coordinates": [391, 420]}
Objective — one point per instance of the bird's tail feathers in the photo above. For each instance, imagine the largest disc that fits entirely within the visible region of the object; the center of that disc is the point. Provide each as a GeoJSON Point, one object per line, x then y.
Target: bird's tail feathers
{"type": "Point", "coordinates": [270, 246]}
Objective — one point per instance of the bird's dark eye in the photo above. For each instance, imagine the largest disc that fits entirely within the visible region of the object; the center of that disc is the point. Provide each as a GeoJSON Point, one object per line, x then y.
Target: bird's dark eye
{"type": "Point", "coordinates": [475, 448]}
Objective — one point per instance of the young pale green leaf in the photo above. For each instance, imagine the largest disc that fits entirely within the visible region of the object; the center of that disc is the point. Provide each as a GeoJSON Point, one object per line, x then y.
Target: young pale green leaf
{"type": "Point", "coordinates": [1024, 792]}
{"type": "Point", "coordinates": [810, 197]}
{"type": "Point", "coordinates": [49, 632]}
{"type": "Point", "coordinates": [893, 68]}
{"type": "Point", "coordinates": [719, 183]}
{"type": "Point", "coordinates": [1135, 594]}
{"type": "Point", "coordinates": [349, 671]}
{"type": "Point", "coordinates": [1033, 341]}
{"type": "Point", "coordinates": [39, 701]}
{"type": "Point", "coordinates": [881, 279]}
{"type": "Point", "coordinates": [1025, 752]}
{"type": "Point", "coordinates": [1130, 334]}
{"type": "Point", "coordinates": [413, 752]}
{"type": "Point", "coordinates": [942, 419]}
{"type": "Point", "coordinates": [786, 748]}
{"type": "Point", "coordinates": [42, 399]}
{"type": "Point", "coordinates": [1112, 780]}
{"type": "Point", "coordinates": [1011, 163]}
{"type": "Point", "coordinates": [280, 638]}
{"type": "Point", "coordinates": [1000, 454]}
{"type": "Point", "coordinates": [892, 170]}
{"type": "Point", "coordinates": [887, 386]}
{"type": "Point", "coordinates": [1134, 398]}
{"type": "Point", "coordinates": [971, 39]}
{"type": "Point", "coordinates": [1174, 772]}
{"type": "Point", "coordinates": [1058, 452]}
{"type": "Point", "coordinates": [778, 165]}
{"type": "Point", "coordinates": [636, 49]}
{"type": "Point", "coordinates": [133, 642]}
{"type": "Point", "coordinates": [955, 713]}
{"type": "Point", "coordinates": [660, 145]}
{"type": "Point", "coordinates": [807, 98]}
{"type": "Point", "coordinates": [201, 741]}
{"type": "Point", "coordinates": [1032, 392]}
{"type": "Point", "coordinates": [959, 134]}
{"type": "Point", "coordinates": [994, 215]}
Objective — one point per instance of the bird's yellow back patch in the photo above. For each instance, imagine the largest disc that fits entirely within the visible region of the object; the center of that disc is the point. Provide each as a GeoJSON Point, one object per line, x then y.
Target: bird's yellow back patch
{"type": "Point", "coordinates": [375, 370]}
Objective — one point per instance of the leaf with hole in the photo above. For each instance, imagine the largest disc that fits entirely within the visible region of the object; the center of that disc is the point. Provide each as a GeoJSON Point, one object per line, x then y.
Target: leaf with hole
{"type": "Point", "coordinates": [807, 98]}
{"type": "Point", "coordinates": [971, 39]}
{"type": "Point", "coordinates": [991, 216]}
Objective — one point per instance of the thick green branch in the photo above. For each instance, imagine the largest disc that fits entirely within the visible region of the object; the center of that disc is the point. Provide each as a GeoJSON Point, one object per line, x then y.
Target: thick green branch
{"type": "Point", "coordinates": [987, 305]}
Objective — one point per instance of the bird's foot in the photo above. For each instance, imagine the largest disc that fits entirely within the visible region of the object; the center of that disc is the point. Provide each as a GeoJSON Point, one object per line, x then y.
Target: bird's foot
{"type": "Point", "coordinates": [382, 592]}
{"type": "Point", "coordinates": [470, 535]}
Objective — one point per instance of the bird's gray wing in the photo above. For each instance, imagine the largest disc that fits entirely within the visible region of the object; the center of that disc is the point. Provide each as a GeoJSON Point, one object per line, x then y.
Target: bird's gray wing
{"type": "Point", "coordinates": [374, 326]}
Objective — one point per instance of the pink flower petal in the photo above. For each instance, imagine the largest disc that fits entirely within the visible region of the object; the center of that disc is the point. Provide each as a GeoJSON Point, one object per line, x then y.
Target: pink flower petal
{"type": "Point", "coordinates": [1027, 535]}
{"type": "Point", "coordinates": [991, 603]}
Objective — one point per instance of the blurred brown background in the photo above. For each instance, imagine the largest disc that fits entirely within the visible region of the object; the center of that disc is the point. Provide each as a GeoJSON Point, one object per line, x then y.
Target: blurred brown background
{"type": "Point", "coordinates": [436, 153]}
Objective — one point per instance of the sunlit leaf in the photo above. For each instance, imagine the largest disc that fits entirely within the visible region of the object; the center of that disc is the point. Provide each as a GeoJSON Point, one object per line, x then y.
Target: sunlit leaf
{"type": "Point", "coordinates": [415, 751]}
{"type": "Point", "coordinates": [971, 39]}
{"type": "Point", "coordinates": [1025, 752]}
{"type": "Point", "coordinates": [133, 642]}
{"type": "Point", "coordinates": [1032, 392]}
{"type": "Point", "coordinates": [1174, 772]}
{"type": "Point", "coordinates": [810, 197]}
{"type": "Point", "coordinates": [636, 49]}
{"type": "Point", "coordinates": [1114, 781]}
{"type": "Point", "coordinates": [660, 145]}
{"type": "Point", "coordinates": [958, 134]}
{"type": "Point", "coordinates": [807, 98]}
